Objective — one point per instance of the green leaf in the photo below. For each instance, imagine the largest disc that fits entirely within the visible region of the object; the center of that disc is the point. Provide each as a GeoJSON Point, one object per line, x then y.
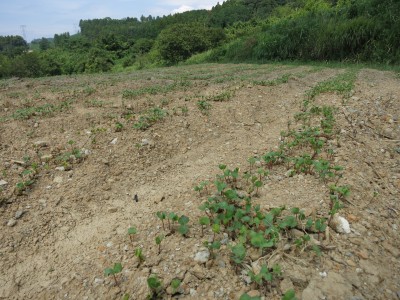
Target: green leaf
{"type": "Point", "coordinates": [239, 253]}
{"type": "Point", "coordinates": [288, 222]}
{"type": "Point", "coordinates": [245, 296]}
{"type": "Point", "coordinates": [126, 297]}
{"type": "Point", "coordinates": [220, 185]}
{"type": "Point", "coordinates": [117, 268]}
{"type": "Point", "coordinates": [108, 271]}
{"type": "Point", "coordinates": [159, 239]}
{"type": "Point", "coordinates": [132, 230]}
{"type": "Point", "coordinates": [222, 167]}
{"type": "Point", "coordinates": [231, 194]}
{"type": "Point", "coordinates": [204, 221]}
{"type": "Point", "coordinates": [183, 229]}
{"type": "Point", "coordinates": [161, 215]}
{"type": "Point", "coordinates": [289, 295]}
{"type": "Point", "coordinates": [153, 282]}
{"type": "Point", "coordinates": [183, 220]}
{"type": "Point", "coordinates": [295, 210]}
{"type": "Point", "coordinates": [258, 240]}
{"type": "Point", "coordinates": [216, 228]}
{"type": "Point", "coordinates": [216, 245]}
{"type": "Point", "coordinates": [173, 216]}
{"type": "Point", "coordinates": [175, 283]}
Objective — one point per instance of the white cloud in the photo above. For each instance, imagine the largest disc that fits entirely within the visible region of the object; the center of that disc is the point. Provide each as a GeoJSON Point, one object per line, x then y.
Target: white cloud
{"type": "Point", "coordinates": [182, 9]}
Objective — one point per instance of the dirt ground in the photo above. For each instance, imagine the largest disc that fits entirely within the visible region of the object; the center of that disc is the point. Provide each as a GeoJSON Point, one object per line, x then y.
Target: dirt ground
{"type": "Point", "coordinates": [71, 164]}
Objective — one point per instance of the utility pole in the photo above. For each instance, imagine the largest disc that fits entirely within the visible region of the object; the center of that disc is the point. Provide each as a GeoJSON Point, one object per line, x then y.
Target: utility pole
{"type": "Point", "coordinates": [23, 29]}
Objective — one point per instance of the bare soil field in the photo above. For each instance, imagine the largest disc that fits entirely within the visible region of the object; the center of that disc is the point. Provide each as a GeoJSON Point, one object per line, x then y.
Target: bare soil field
{"type": "Point", "coordinates": [253, 162]}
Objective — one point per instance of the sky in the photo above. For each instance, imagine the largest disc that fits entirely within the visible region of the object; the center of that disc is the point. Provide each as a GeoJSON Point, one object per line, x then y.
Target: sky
{"type": "Point", "coordinates": [44, 18]}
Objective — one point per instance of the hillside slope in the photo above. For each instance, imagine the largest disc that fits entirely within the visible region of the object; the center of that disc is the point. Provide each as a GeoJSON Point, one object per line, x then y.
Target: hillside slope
{"type": "Point", "coordinates": [62, 227]}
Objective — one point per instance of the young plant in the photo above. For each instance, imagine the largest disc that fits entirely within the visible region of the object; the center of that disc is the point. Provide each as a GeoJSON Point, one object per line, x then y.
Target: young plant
{"type": "Point", "coordinates": [172, 217]}
{"type": "Point", "coordinates": [183, 229]}
{"type": "Point", "coordinates": [159, 239]}
{"type": "Point", "coordinates": [139, 254]}
{"type": "Point", "coordinates": [113, 271]}
{"type": "Point", "coordinates": [238, 253]}
{"type": "Point", "coordinates": [161, 215]}
{"type": "Point", "coordinates": [265, 276]}
{"type": "Point", "coordinates": [175, 284]}
{"type": "Point", "coordinates": [132, 231]}
{"type": "Point", "coordinates": [156, 287]}
{"type": "Point", "coordinates": [215, 245]}
{"type": "Point", "coordinates": [204, 221]}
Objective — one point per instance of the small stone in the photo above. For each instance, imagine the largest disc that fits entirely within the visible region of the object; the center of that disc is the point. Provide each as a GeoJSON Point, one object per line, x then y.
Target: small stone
{"type": "Point", "coordinates": [41, 144]}
{"type": "Point", "coordinates": [46, 157]}
{"type": "Point", "coordinates": [58, 179]}
{"type": "Point", "coordinates": [18, 162]}
{"type": "Point", "coordinates": [144, 142]}
{"type": "Point", "coordinates": [114, 141]}
{"type": "Point", "coordinates": [394, 251]}
{"type": "Point", "coordinates": [202, 256]}
{"type": "Point", "coordinates": [98, 281]}
{"type": "Point", "coordinates": [19, 214]}
{"type": "Point", "coordinates": [254, 293]}
{"type": "Point", "coordinates": [362, 254]}
{"type": "Point", "coordinates": [285, 285]}
{"type": "Point", "coordinates": [109, 244]}
{"type": "Point", "coordinates": [350, 263]}
{"type": "Point", "coordinates": [198, 271]}
{"type": "Point", "coordinates": [12, 222]}
{"type": "Point", "coordinates": [36, 125]}
{"type": "Point", "coordinates": [60, 169]}
{"type": "Point", "coordinates": [3, 182]}
{"type": "Point", "coordinates": [112, 210]}
{"type": "Point", "coordinates": [340, 224]}
{"type": "Point", "coordinates": [192, 292]}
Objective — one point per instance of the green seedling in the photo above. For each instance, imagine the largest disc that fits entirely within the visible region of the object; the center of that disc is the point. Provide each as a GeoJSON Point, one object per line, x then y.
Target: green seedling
{"type": "Point", "coordinates": [215, 245]}
{"type": "Point", "coordinates": [183, 229]}
{"type": "Point", "coordinates": [113, 271]}
{"type": "Point", "coordinates": [289, 295]}
{"type": "Point", "coordinates": [265, 276]}
{"type": "Point", "coordinates": [175, 284]}
{"type": "Point", "coordinates": [159, 239]}
{"type": "Point", "coordinates": [246, 296]}
{"type": "Point", "coordinates": [156, 287]}
{"type": "Point", "coordinates": [139, 254]}
{"type": "Point", "coordinates": [258, 240]}
{"type": "Point", "coordinates": [172, 217]}
{"type": "Point", "coordinates": [204, 221]}
{"type": "Point", "coordinates": [238, 254]}
{"type": "Point", "coordinates": [118, 127]}
{"type": "Point", "coordinates": [161, 215]}
{"type": "Point", "coordinates": [204, 107]}
{"type": "Point", "coordinates": [132, 231]}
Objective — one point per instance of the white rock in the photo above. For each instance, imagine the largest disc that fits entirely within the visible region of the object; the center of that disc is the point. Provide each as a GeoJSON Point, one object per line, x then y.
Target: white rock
{"type": "Point", "coordinates": [340, 224]}
{"type": "Point", "coordinates": [114, 141]}
{"type": "Point", "coordinates": [98, 281]}
{"type": "Point", "coordinates": [202, 256]}
{"type": "Point", "coordinates": [12, 222]}
{"type": "Point", "coordinates": [3, 182]}
{"type": "Point", "coordinates": [60, 169]}
{"type": "Point", "coordinates": [58, 179]}
{"type": "Point", "coordinates": [19, 214]}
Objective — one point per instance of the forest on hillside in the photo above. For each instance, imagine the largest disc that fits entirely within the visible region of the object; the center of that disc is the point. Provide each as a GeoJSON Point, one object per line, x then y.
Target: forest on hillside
{"type": "Point", "coordinates": [234, 31]}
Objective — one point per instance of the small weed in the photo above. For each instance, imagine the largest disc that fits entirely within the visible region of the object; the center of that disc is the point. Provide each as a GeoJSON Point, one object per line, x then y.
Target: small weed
{"type": "Point", "coordinates": [113, 271]}
{"type": "Point", "coordinates": [150, 118]}
{"type": "Point", "coordinates": [159, 239]}
{"type": "Point", "coordinates": [139, 254]}
{"type": "Point", "coordinates": [119, 127]}
{"type": "Point", "coordinates": [156, 287]}
{"type": "Point", "coordinates": [204, 107]}
{"type": "Point", "coordinates": [132, 231]}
